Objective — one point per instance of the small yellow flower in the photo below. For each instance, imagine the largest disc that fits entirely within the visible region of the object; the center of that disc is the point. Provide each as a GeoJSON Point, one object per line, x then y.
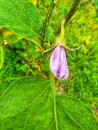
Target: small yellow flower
{"type": "Point", "coordinates": [88, 40]}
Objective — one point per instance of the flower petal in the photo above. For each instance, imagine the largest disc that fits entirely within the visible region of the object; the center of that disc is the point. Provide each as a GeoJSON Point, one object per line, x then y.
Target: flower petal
{"type": "Point", "coordinates": [58, 63]}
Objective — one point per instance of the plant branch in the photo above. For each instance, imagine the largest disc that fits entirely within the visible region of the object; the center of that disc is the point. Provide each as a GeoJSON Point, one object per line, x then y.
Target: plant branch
{"type": "Point", "coordinates": [70, 14]}
{"type": "Point", "coordinates": [48, 19]}
{"type": "Point", "coordinates": [27, 51]}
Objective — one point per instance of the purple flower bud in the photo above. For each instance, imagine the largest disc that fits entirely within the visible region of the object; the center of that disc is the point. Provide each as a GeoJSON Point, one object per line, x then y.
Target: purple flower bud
{"type": "Point", "coordinates": [58, 63]}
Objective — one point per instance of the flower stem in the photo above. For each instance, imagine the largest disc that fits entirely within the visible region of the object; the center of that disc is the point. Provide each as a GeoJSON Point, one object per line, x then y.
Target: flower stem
{"type": "Point", "coordinates": [48, 18]}
{"type": "Point", "coordinates": [54, 98]}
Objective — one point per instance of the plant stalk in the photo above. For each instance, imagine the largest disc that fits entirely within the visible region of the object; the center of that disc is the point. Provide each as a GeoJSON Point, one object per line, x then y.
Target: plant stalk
{"type": "Point", "coordinates": [48, 19]}
{"type": "Point", "coordinates": [70, 14]}
{"type": "Point", "coordinates": [53, 86]}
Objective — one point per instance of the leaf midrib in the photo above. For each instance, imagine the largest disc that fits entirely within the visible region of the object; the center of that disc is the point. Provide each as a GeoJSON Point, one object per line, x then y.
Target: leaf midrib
{"type": "Point", "coordinates": [65, 110]}
{"type": "Point", "coordinates": [32, 103]}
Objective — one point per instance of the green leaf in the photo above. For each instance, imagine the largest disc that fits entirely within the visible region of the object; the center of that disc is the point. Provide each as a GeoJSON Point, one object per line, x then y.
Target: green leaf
{"type": "Point", "coordinates": [26, 101]}
{"type": "Point", "coordinates": [11, 39]}
{"type": "Point", "coordinates": [9, 36]}
{"type": "Point", "coordinates": [1, 57]}
{"type": "Point", "coordinates": [28, 104]}
{"type": "Point", "coordinates": [77, 115]}
{"type": "Point", "coordinates": [96, 3]}
{"type": "Point", "coordinates": [20, 17]}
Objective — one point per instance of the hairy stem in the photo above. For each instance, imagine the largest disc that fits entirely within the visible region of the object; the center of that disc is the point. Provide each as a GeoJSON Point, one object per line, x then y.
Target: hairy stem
{"type": "Point", "coordinates": [54, 99]}
{"type": "Point", "coordinates": [70, 14]}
